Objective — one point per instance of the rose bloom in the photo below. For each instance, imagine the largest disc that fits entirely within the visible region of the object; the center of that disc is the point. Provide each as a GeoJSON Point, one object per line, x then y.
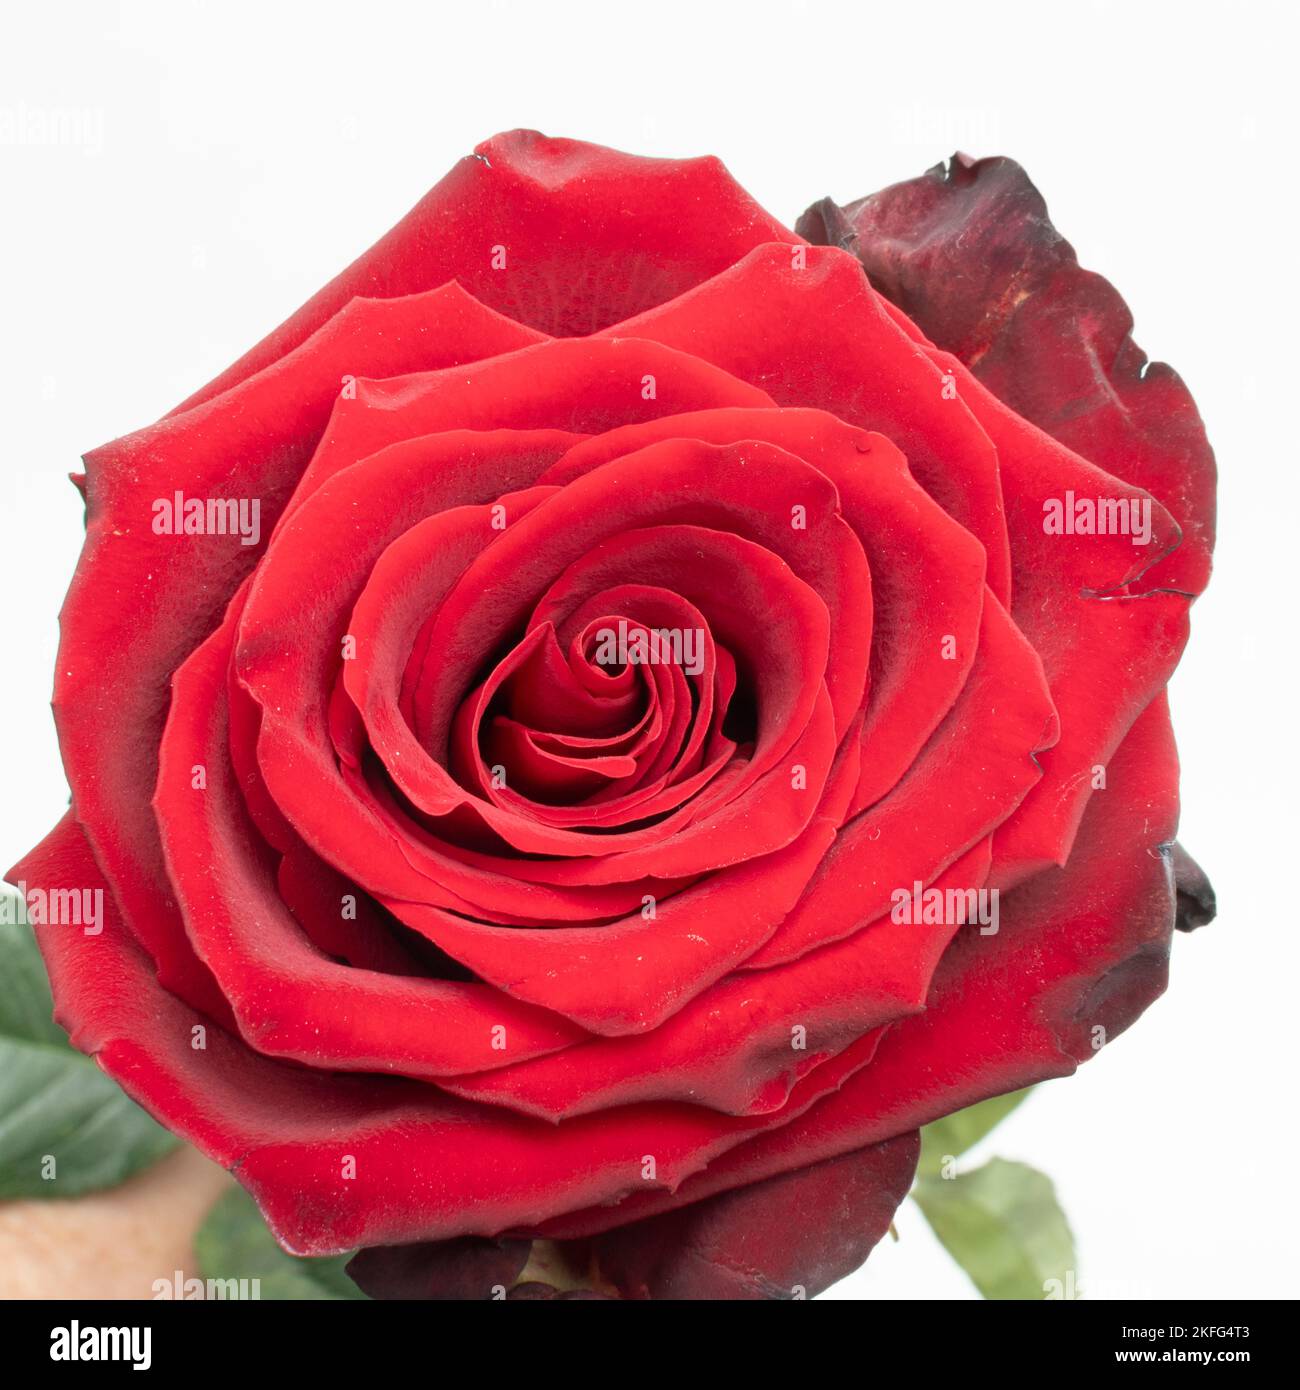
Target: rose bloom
{"type": "Point", "coordinates": [617, 712]}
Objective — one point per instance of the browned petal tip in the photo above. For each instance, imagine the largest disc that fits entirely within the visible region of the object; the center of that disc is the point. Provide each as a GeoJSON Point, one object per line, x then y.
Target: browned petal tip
{"type": "Point", "coordinates": [1196, 901]}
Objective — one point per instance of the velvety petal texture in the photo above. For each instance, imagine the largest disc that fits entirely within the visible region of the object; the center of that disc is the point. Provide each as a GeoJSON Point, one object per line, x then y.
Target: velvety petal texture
{"type": "Point", "coordinates": [969, 253]}
{"type": "Point", "coordinates": [589, 733]}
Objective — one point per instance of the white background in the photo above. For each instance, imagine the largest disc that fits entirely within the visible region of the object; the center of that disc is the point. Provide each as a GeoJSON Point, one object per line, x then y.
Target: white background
{"type": "Point", "coordinates": [234, 156]}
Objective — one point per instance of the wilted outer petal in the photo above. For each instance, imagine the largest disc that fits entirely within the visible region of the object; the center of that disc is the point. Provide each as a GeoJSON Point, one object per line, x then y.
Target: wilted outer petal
{"type": "Point", "coordinates": [471, 1267]}
{"type": "Point", "coordinates": [787, 1237]}
{"type": "Point", "coordinates": [968, 252]}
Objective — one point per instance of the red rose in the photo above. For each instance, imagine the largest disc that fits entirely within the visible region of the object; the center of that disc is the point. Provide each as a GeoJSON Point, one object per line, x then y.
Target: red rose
{"type": "Point", "coordinates": [601, 724]}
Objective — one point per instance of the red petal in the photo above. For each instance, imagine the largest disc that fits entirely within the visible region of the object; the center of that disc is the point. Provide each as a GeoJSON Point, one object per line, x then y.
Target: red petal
{"type": "Point", "coordinates": [902, 532]}
{"type": "Point", "coordinates": [980, 764]}
{"type": "Point", "coordinates": [1107, 650]}
{"type": "Point", "coordinates": [628, 976]}
{"type": "Point", "coordinates": [818, 335]}
{"type": "Point", "coordinates": [741, 1045]}
{"type": "Point", "coordinates": [1078, 950]}
{"type": "Point", "coordinates": [590, 236]}
{"type": "Point", "coordinates": [290, 999]}
{"type": "Point", "coordinates": [169, 592]}
{"type": "Point", "coordinates": [968, 251]}
{"type": "Point", "coordinates": [585, 387]}
{"type": "Point", "coordinates": [307, 587]}
{"type": "Point", "coordinates": [786, 1237]}
{"type": "Point", "coordinates": [336, 1161]}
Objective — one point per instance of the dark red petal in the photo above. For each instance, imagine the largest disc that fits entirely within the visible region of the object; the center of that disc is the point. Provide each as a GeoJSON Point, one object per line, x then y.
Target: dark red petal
{"type": "Point", "coordinates": [590, 236]}
{"type": "Point", "coordinates": [313, 892]}
{"type": "Point", "coordinates": [968, 251]}
{"type": "Point", "coordinates": [534, 1291]}
{"type": "Point", "coordinates": [468, 1268]}
{"type": "Point", "coordinates": [787, 1237]}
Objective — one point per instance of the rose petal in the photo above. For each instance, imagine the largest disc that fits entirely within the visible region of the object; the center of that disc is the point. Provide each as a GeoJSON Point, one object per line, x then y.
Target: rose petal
{"type": "Point", "coordinates": [1080, 953]}
{"type": "Point", "coordinates": [980, 765]}
{"type": "Point", "coordinates": [590, 236]}
{"type": "Point", "coordinates": [742, 1044]}
{"type": "Point", "coordinates": [289, 999]}
{"type": "Point", "coordinates": [902, 532]}
{"type": "Point", "coordinates": [459, 1270]}
{"type": "Point", "coordinates": [336, 1162]}
{"type": "Point", "coordinates": [1197, 905]}
{"type": "Point", "coordinates": [816, 334]}
{"type": "Point", "coordinates": [170, 591]}
{"type": "Point", "coordinates": [628, 976]}
{"type": "Point", "coordinates": [968, 251]}
{"type": "Point", "coordinates": [1107, 650]}
{"type": "Point", "coordinates": [308, 585]}
{"type": "Point", "coordinates": [791, 1236]}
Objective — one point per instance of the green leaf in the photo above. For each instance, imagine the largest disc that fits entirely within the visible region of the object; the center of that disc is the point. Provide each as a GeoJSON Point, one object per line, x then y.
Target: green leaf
{"type": "Point", "coordinates": [1003, 1225]}
{"type": "Point", "coordinates": [234, 1243]}
{"type": "Point", "coordinates": [65, 1127]}
{"type": "Point", "coordinates": [954, 1134]}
